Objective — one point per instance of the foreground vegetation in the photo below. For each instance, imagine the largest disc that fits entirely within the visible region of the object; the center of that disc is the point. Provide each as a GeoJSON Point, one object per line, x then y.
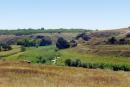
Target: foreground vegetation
{"type": "Point", "coordinates": [17, 74]}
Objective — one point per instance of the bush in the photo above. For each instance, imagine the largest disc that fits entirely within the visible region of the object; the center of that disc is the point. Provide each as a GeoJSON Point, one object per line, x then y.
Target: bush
{"type": "Point", "coordinates": [112, 40]}
{"type": "Point", "coordinates": [62, 43]}
{"type": "Point", "coordinates": [45, 41]}
{"type": "Point", "coordinates": [73, 43]}
{"type": "Point", "coordinates": [5, 47]}
{"type": "Point", "coordinates": [84, 36]}
{"type": "Point", "coordinates": [122, 41]}
{"type": "Point", "coordinates": [115, 67]}
{"type": "Point", "coordinates": [41, 60]}
{"type": "Point", "coordinates": [74, 63]}
{"type": "Point", "coordinates": [68, 62]}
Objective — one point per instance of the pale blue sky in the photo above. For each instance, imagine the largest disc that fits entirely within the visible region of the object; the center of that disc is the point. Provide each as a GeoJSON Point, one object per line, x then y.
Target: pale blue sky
{"type": "Point", "coordinates": [92, 14]}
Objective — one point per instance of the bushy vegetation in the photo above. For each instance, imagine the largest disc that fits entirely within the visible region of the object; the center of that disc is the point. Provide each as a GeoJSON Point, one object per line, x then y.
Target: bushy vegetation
{"type": "Point", "coordinates": [45, 41]}
{"type": "Point", "coordinates": [5, 47]}
{"type": "Point", "coordinates": [112, 40]}
{"type": "Point", "coordinates": [73, 43]}
{"type": "Point", "coordinates": [78, 63]}
{"type": "Point", "coordinates": [62, 43]}
{"type": "Point", "coordinates": [121, 41]}
{"type": "Point", "coordinates": [75, 63]}
{"type": "Point", "coordinates": [41, 60]}
{"type": "Point", "coordinates": [38, 41]}
{"type": "Point", "coordinates": [84, 36]}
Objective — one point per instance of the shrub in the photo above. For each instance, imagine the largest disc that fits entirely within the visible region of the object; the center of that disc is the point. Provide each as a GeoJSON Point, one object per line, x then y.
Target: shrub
{"type": "Point", "coordinates": [74, 63]}
{"type": "Point", "coordinates": [84, 36]}
{"type": "Point", "coordinates": [112, 40]}
{"type": "Point", "coordinates": [73, 43]}
{"type": "Point", "coordinates": [45, 41]}
{"type": "Point", "coordinates": [77, 62]}
{"type": "Point", "coordinates": [41, 60]}
{"type": "Point", "coordinates": [62, 43]}
{"type": "Point", "coordinates": [5, 47]}
{"type": "Point", "coordinates": [115, 67]}
{"type": "Point", "coordinates": [68, 62]}
{"type": "Point", "coordinates": [122, 41]}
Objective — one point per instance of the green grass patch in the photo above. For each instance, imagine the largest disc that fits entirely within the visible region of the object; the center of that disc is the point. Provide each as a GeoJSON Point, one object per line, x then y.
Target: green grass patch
{"type": "Point", "coordinates": [32, 54]}
{"type": "Point", "coordinates": [15, 49]}
{"type": "Point", "coordinates": [91, 58]}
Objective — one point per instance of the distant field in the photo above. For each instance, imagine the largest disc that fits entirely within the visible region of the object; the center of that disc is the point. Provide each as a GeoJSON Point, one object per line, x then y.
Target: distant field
{"type": "Point", "coordinates": [16, 74]}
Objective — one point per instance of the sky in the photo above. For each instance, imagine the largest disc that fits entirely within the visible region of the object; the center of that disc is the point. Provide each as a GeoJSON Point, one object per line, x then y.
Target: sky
{"type": "Point", "coordinates": [87, 14]}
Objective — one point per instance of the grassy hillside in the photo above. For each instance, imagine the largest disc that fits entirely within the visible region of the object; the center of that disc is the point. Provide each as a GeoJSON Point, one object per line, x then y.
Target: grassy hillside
{"type": "Point", "coordinates": [15, 50]}
{"type": "Point", "coordinates": [32, 54]}
{"type": "Point", "coordinates": [99, 54]}
{"type": "Point", "coordinates": [25, 75]}
{"type": "Point", "coordinates": [108, 54]}
{"type": "Point", "coordinates": [114, 32]}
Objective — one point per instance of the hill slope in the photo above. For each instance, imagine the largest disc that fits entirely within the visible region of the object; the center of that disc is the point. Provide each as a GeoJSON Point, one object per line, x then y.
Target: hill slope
{"type": "Point", "coordinates": [109, 33]}
{"type": "Point", "coordinates": [26, 75]}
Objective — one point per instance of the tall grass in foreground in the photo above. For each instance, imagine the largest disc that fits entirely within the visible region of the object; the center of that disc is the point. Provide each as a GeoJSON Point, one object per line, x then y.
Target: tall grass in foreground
{"type": "Point", "coordinates": [37, 75]}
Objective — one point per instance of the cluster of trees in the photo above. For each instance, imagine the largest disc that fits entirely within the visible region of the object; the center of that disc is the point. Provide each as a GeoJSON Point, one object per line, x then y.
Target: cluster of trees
{"type": "Point", "coordinates": [78, 63]}
{"type": "Point", "coordinates": [5, 47]}
{"type": "Point", "coordinates": [114, 40]}
{"type": "Point", "coordinates": [38, 41]}
{"type": "Point", "coordinates": [62, 43]}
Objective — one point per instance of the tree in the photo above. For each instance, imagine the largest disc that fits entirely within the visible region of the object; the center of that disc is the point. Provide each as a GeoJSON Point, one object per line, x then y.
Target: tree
{"type": "Point", "coordinates": [62, 43]}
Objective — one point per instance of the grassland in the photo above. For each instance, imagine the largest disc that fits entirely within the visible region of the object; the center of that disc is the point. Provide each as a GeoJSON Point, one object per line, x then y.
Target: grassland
{"type": "Point", "coordinates": [15, 50]}
{"type": "Point", "coordinates": [101, 54]}
{"type": "Point", "coordinates": [16, 74]}
{"type": "Point", "coordinates": [107, 54]}
{"type": "Point", "coordinates": [32, 54]}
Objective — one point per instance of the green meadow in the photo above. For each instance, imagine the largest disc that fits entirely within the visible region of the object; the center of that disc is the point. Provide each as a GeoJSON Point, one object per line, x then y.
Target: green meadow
{"type": "Point", "coordinates": [49, 53]}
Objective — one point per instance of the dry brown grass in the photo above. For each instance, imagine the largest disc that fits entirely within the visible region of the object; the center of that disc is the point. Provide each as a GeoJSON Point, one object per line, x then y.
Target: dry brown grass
{"type": "Point", "coordinates": [26, 75]}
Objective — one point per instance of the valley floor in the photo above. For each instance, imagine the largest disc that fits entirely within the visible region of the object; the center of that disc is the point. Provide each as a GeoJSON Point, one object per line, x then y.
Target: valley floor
{"type": "Point", "coordinates": [19, 74]}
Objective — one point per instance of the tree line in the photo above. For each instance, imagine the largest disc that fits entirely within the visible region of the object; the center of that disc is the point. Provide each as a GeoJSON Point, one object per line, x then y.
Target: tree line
{"type": "Point", "coordinates": [30, 31]}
